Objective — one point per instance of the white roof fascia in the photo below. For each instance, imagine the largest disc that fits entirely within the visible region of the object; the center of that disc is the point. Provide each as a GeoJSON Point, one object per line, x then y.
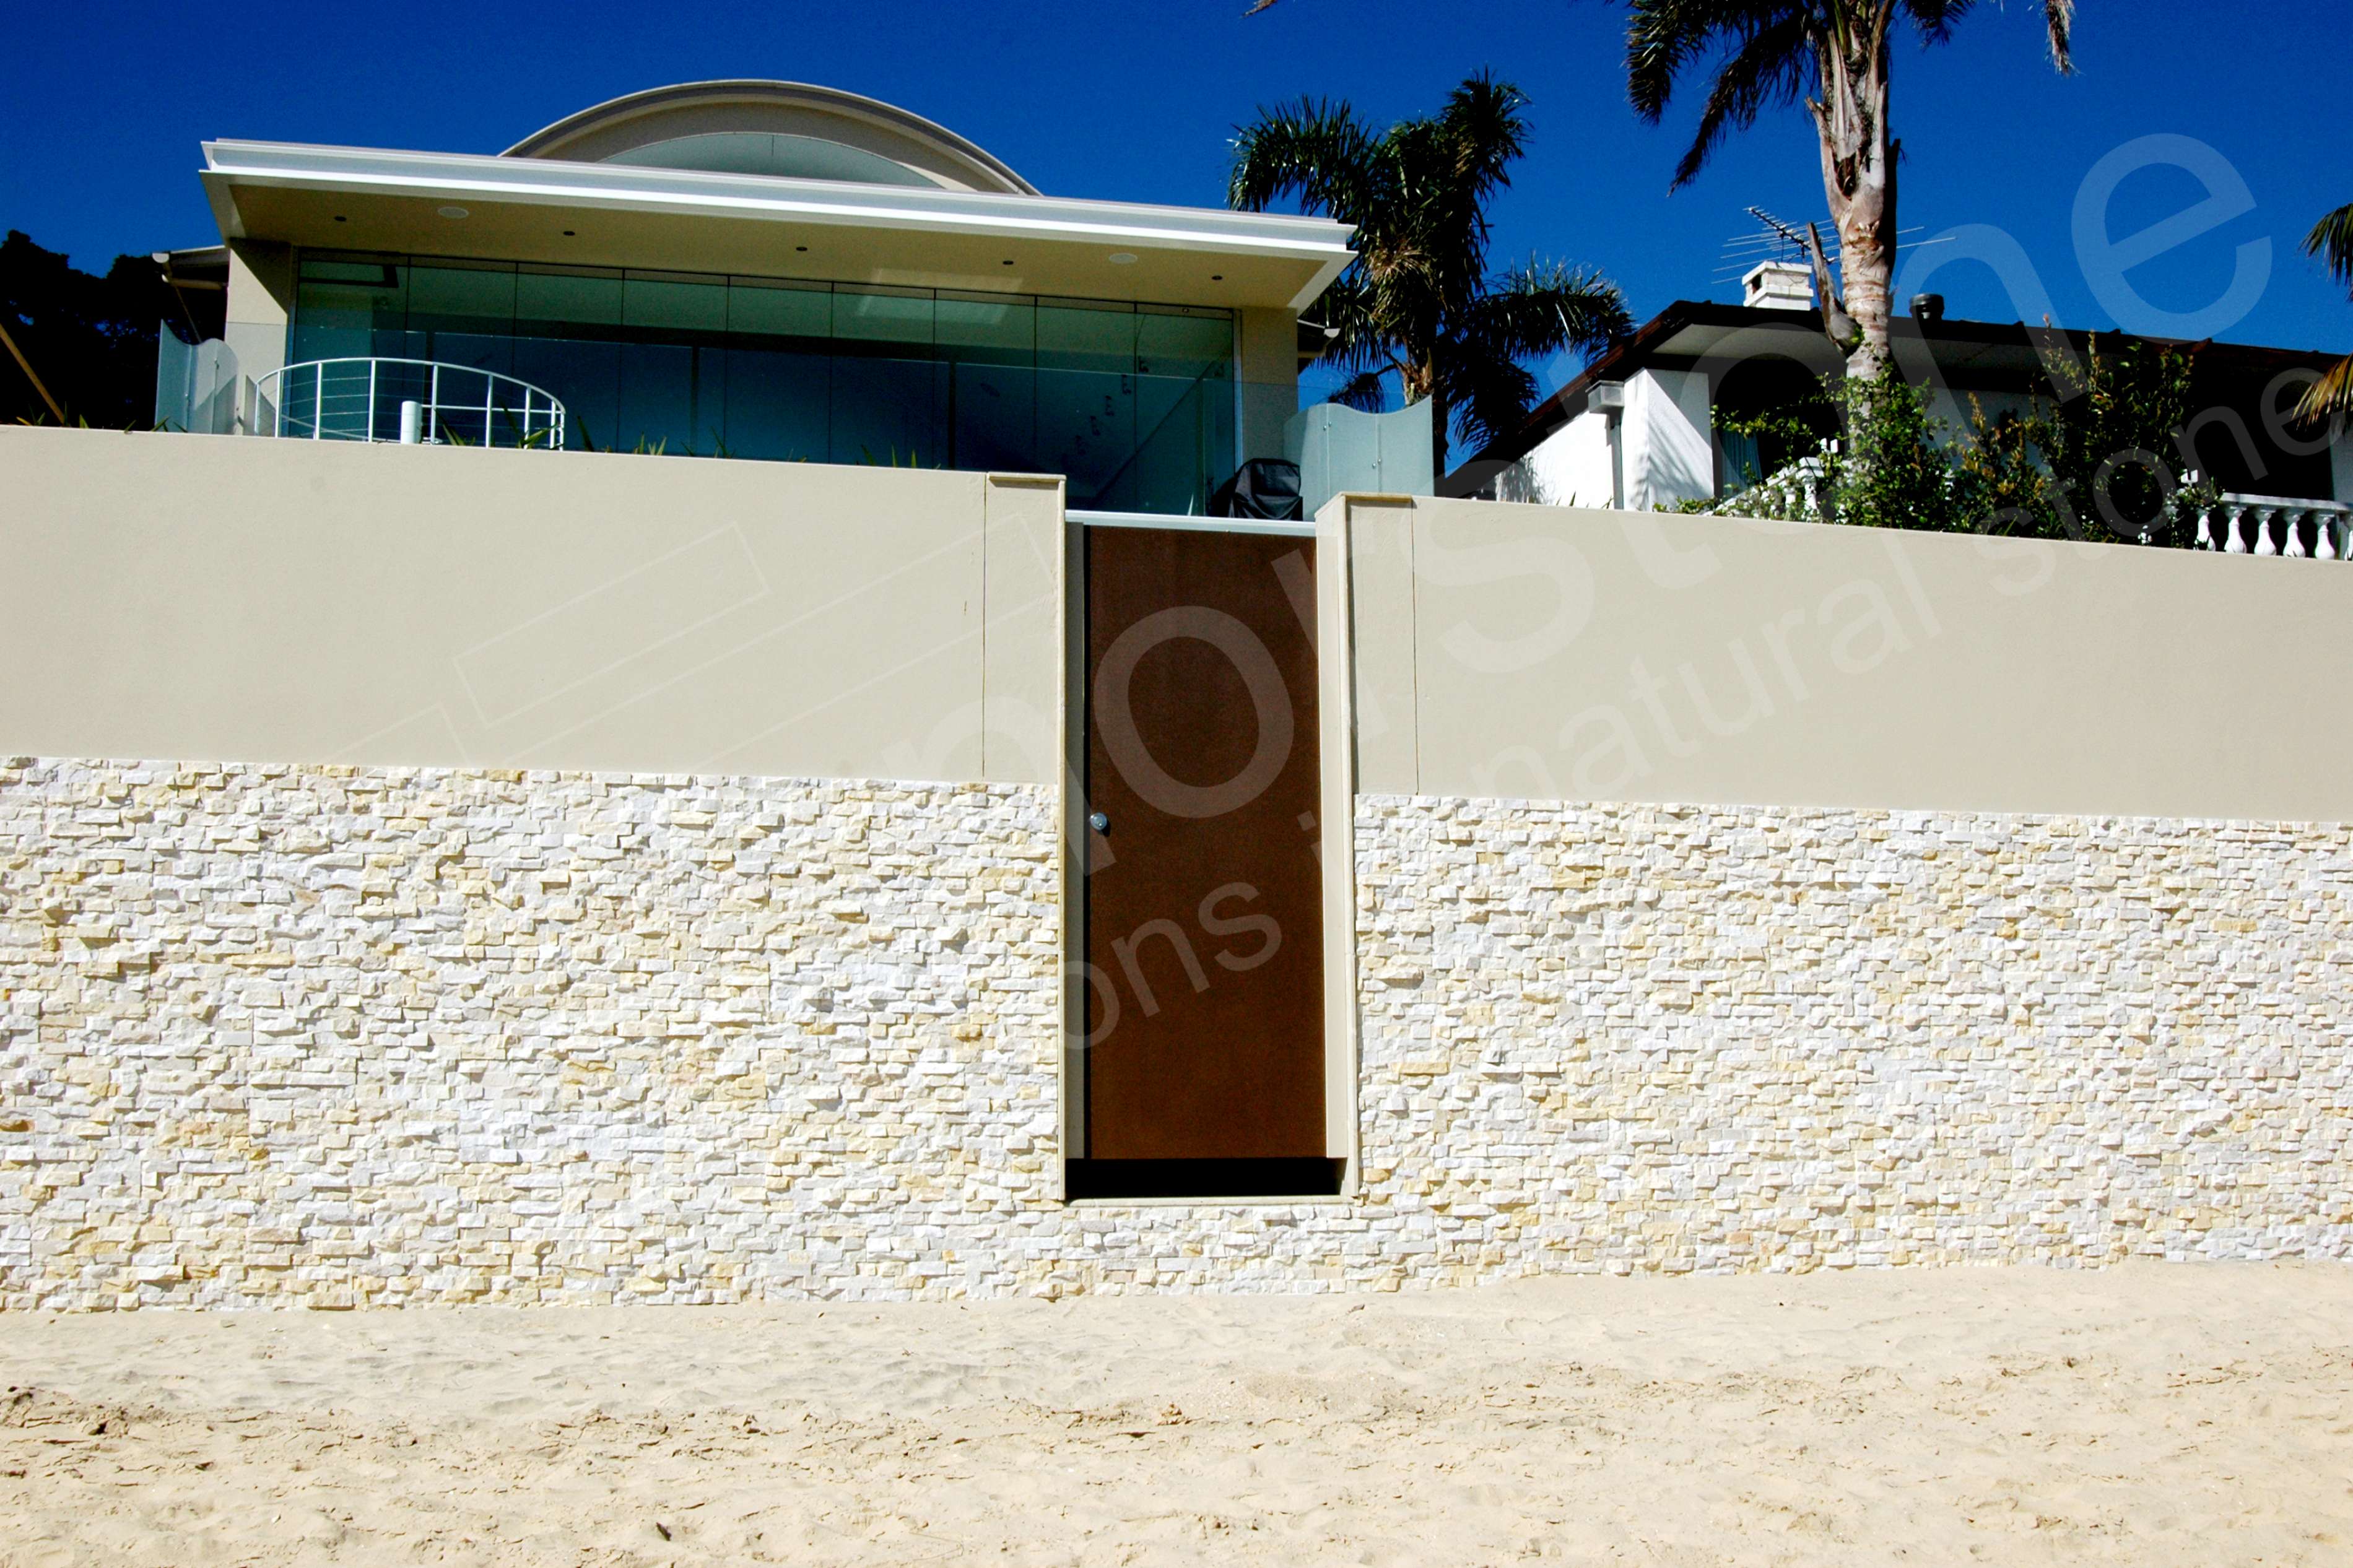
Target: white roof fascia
{"type": "Point", "coordinates": [636, 188]}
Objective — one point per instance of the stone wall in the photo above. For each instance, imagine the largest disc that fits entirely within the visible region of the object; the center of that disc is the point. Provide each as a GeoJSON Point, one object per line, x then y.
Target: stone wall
{"type": "Point", "coordinates": [1662, 1038]}
{"type": "Point", "coordinates": [278, 1036]}
{"type": "Point", "coordinates": [329, 1035]}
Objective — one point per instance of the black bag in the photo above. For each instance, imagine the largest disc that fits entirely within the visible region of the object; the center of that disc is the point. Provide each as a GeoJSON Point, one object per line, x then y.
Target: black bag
{"type": "Point", "coordinates": [1264, 487]}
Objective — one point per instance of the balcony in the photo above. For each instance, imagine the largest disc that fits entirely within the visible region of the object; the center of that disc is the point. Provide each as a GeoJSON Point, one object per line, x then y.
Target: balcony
{"type": "Point", "coordinates": [414, 401]}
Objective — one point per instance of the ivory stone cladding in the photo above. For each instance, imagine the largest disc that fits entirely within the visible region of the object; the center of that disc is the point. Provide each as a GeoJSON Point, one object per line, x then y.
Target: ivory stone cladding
{"type": "Point", "coordinates": [1664, 1038]}
{"type": "Point", "coordinates": [331, 1036]}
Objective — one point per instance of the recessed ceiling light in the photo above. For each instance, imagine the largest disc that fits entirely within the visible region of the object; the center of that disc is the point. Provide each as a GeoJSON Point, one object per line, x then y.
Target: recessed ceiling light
{"type": "Point", "coordinates": [1122, 259]}
{"type": "Point", "coordinates": [451, 211]}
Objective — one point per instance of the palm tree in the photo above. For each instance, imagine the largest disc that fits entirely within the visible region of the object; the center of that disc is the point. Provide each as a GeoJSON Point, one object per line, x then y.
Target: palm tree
{"type": "Point", "coordinates": [2331, 239]}
{"type": "Point", "coordinates": [1419, 301]}
{"type": "Point", "coordinates": [1834, 54]}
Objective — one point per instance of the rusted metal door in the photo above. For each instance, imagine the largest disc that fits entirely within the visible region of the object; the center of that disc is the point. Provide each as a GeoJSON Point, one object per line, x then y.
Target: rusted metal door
{"type": "Point", "coordinates": [1203, 896]}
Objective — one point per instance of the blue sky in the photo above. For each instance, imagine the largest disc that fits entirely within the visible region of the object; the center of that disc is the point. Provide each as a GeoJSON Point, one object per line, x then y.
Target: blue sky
{"type": "Point", "coordinates": [102, 106]}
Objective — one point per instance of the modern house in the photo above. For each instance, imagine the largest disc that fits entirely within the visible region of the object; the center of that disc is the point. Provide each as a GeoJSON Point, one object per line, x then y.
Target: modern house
{"type": "Point", "coordinates": [756, 269]}
{"type": "Point", "coordinates": [1644, 424]}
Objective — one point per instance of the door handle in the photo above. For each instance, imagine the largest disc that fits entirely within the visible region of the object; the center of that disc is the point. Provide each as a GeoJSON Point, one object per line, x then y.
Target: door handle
{"type": "Point", "coordinates": [1099, 822]}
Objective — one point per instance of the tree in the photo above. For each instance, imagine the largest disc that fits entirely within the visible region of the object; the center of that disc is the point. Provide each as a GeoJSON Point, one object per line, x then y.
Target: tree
{"type": "Point", "coordinates": [89, 339]}
{"type": "Point", "coordinates": [1834, 54]}
{"type": "Point", "coordinates": [2091, 465]}
{"type": "Point", "coordinates": [2331, 239]}
{"type": "Point", "coordinates": [1419, 301]}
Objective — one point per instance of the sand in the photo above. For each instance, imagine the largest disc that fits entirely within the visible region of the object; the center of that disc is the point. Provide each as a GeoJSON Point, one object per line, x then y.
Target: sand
{"type": "Point", "coordinates": [2148, 1415]}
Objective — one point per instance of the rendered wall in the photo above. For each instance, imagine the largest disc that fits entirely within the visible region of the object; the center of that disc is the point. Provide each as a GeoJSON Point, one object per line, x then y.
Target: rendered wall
{"type": "Point", "coordinates": [1571, 467]}
{"type": "Point", "coordinates": [1551, 654]}
{"type": "Point", "coordinates": [1669, 431]}
{"type": "Point", "coordinates": [233, 599]}
{"type": "Point", "coordinates": [260, 300]}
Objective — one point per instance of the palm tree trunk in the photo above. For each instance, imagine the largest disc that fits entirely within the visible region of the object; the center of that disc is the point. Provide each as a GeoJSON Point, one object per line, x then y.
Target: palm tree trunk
{"type": "Point", "coordinates": [1859, 177]}
{"type": "Point", "coordinates": [1866, 275]}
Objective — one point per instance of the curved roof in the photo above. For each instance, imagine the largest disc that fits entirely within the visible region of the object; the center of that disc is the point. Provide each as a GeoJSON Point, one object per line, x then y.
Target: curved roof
{"type": "Point", "coordinates": [783, 128]}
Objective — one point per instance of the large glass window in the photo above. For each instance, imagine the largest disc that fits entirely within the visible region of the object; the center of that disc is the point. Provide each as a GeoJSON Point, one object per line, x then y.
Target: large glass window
{"type": "Point", "coordinates": [1134, 403]}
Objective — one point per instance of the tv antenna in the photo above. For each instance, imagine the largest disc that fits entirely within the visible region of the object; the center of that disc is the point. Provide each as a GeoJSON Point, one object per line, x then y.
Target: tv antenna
{"type": "Point", "coordinates": [1776, 239]}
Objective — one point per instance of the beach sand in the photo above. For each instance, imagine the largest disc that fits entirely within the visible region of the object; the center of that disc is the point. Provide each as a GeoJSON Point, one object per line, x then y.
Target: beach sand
{"type": "Point", "coordinates": [2146, 1415]}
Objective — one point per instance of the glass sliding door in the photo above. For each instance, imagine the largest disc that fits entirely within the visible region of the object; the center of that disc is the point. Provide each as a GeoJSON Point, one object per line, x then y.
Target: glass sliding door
{"type": "Point", "coordinates": [990, 345]}
{"type": "Point", "coordinates": [779, 371]}
{"type": "Point", "coordinates": [1086, 399]}
{"type": "Point", "coordinates": [673, 370]}
{"type": "Point", "coordinates": [1134, 403]}
{"type": "Point", "coordinates": [888, 389]}
{"type": "Point", "coordinates": [567, 342]}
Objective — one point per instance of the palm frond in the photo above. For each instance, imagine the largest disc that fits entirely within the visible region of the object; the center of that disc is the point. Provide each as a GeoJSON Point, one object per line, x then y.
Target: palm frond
{"type": "Point", "coordinates": [2331, 396]}
{"type": "Point", "coordinates": [1935, 18]}
{"type": "Point", "coordinates": [1772, 66]}
{"type": "Point", "coordinates": [1317, 151]}
{"type": "Point", "coordinates": [2059, 20]}
{"type": "Point", "coordinates": [1547, 307]}
{"type": "Point", "coordinates": [1665, 38]}
{"type": "Point", "coordinates": [2331, 239]}
{"type": "Point", "coordinates": [1367, 389]}
{"type": "Point", "coordinates": [1484, 129]}
{"type": "Point", "coordinates": [1486, 393]}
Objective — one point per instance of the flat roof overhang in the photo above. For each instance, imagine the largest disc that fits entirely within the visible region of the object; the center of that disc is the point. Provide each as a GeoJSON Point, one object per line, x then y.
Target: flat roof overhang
{"type": "Point", "coordinates": [517, 209]}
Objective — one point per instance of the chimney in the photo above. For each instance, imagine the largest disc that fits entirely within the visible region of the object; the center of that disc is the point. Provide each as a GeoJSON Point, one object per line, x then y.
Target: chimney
{"type": "Point", "coordinates": [1778, 286]}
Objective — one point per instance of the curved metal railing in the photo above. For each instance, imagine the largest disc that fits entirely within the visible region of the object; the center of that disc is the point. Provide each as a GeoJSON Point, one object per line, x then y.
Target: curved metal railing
{"type": "Point", "coordinates": [414, 401]}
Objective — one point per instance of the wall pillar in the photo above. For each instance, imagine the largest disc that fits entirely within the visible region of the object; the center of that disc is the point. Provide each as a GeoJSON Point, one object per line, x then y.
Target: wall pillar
{"type": "Point", "coordinates": [260, 306]}
{"type": "Point", "coordinates": [1267, 354]}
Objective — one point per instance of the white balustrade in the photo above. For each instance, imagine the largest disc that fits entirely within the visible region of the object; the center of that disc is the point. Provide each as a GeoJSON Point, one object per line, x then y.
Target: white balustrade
{"type": "Point", "coordinates": [2304, 530]}
{"type": "Point", "coordinates": [407, 399]}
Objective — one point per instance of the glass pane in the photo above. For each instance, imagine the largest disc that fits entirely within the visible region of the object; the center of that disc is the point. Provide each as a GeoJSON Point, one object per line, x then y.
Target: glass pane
{"type": "Point", "coordinates": [1086, 431]}
{"type": "Point", "coordinates": [1167, 344]}
{"type": "Point", "coordinates": [556, 304]}
{"type": "Point", "coordinates": [673, 398]}
{"type": "Point", "coordinates": [465, 315]}
{"type": "Point", "coordinates": [806, 313]}
{"type": "Point", "coordinates": [342, 307]}
{"type": "Point", "coordinates": [885, 412]}
{"type": "Point", "coordinates": [778, 401]}
{"type": "Point", "coordinates": [1002, 331]}
{"type": "Point", "coordinates": [1073, 337]}
{"type": "Point", "coordinates": [374, 274]}
{"type": "Point", "coordinates": [583, 374]}
{"type": "Point", "coordinates": [667, 306]}
{"type": "Point", "coordinates": [566, 327]}
{"type": "Point", "coordinates": [1185, 440]}
{"type": "Point", "coordinates": [331, 320]}
{"type": "Point", "coordinates": [993, 417]}
{"type": "Point", "coordinates": [881, 316]}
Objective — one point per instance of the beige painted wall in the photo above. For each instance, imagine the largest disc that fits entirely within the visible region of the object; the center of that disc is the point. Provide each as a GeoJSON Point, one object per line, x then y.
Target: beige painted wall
{"type": "Point", "coordinates": [1267, 355]}
{"type": "Point", "coordinates": [1556, 654]}
{"type": "Point", "coordinates": [260, 303]}
{"type": "Point", "coordinates": [225, 599]}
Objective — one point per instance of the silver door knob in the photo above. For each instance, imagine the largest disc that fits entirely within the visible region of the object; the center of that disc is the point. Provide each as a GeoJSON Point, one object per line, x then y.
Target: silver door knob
{"type": "Point", "coordinates": [1099, 822]}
